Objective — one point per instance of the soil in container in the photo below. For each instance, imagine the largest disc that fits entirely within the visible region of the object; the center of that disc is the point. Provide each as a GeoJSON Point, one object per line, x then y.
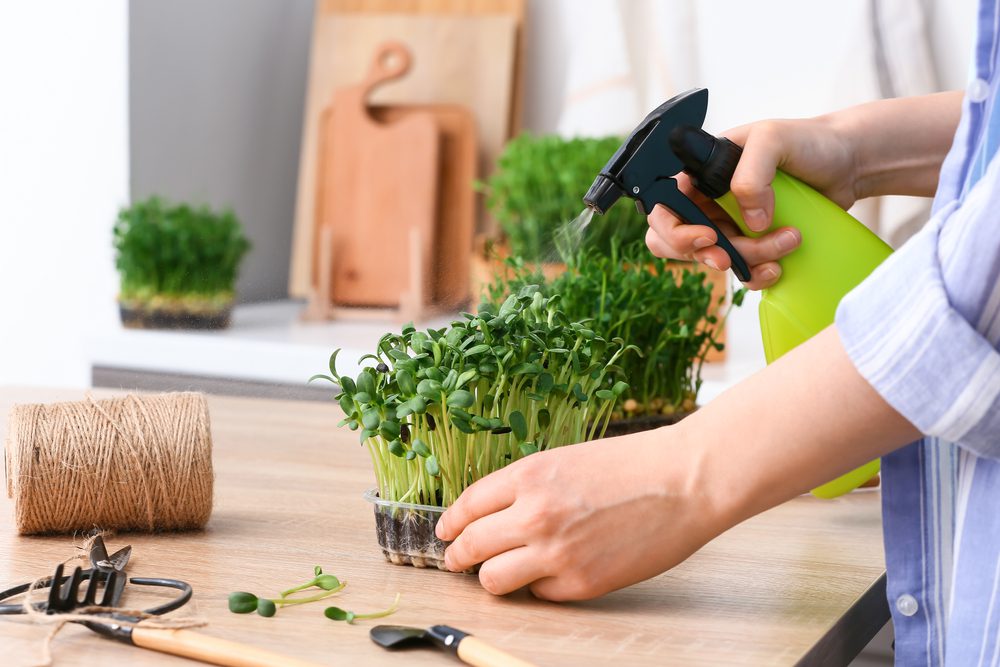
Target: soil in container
{"type": "Point", "coordinates": [405, 532]}
{"type": "Point", "coordinates": [644, 423]}
{"type": "Point", "coordinates": [143, 318]}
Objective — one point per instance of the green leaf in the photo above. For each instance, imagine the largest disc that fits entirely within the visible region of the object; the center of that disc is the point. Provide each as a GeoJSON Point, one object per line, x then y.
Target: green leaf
{"type": "Point", "coordinates": [389, 429]}
{"type": "Point", "coordinates": [620, 388]}
{"type": "Point", "coordinates": [545, 383]}
{"type": "Point", "coordinates": [333, 362]}
{"type": "Point", "coordinates": [410, 455]}
{"type": "Point", "coordinates": [518, 424]}
{"type": "Point", "coordinates": [363, 397]}
{"type": "Point", "coordinates": [266, 608]}
{"type": "Point", "coordinates": [242, 602]}
{"type": "Point", "coordinates": [418, 404]}
{"type": "Point", "coordinates": [403, 410]}
{"type": "Point", "coordinates": [366, 382]}
{"type": "Point", "coordinates": [347, 384]}
{"type": "Point", "coordinates": [605, 394]}
{"type": "Point", "coordinates": [370, 419]}
{"type": "Point", "coordinates": [431, 466]}
{"type": "Point", "coordinates": [460, 399]}
{"type": "Point", "coordinates": [429, 389]}
{"type": "Point", "coordinates": [466, 377]}
{"type": "Point", "coordinates": [396, 448]}
{"type": "Point", "coordinates": [527, 448]}
{"type": "Point", "coordinates": [544, 418]}
{"type": "Point", "coordinates": [347, 404]}
{"type": "Point", "coordinates": [406, 383]}
{"type": "Point", "coordinates": [421, 448]}
{"type": "Point", "coordinates": [322, 376]}
{"type": "Point", "coordinates": [335, 614]}
{"type": "Point", "coordinates": [578, 393]}
{"type": "Point", "coordinates": [526, 368]}
{"type": "Point", "coordinates": [327, 581]}
{"type": "Point", "coordinates": [477, 349]}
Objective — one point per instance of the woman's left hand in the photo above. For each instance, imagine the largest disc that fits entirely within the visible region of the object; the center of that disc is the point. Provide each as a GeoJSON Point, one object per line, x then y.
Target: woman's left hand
{"type": "Point", "coordinates": [576, 522]}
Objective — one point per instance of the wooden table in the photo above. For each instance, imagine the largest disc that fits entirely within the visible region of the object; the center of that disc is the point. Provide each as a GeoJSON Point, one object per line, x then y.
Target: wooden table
{"type": "Point", "coordinates": [800, 584]}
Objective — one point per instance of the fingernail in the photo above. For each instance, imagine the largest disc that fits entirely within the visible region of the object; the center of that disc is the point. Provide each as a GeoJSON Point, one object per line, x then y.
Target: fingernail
{"type": "Point", "coordinates": [755, 217]}
{"type": "Point", "coordinates": [702, 242]}
{"type": "Point", "coordinates": [711, 264]}
{"type": "Point", "coordinates": [768, 274]}
{"type": "Point", "coordinates": [786, 240]}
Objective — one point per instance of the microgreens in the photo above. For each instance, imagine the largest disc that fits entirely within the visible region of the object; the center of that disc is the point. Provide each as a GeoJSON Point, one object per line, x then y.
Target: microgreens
{"type": "Point", "coordinates": [443, 408]}
{"type": "Point", "coordinates": [538, 185]}
{"type": "Point", "coordinates": [241, 602]}
{"type": "Point", "coordinates": [338, 614]}
{"type": "Point", "coordinates": [668, 317]}
{"type": "Point", "coordinates": [177, 253]}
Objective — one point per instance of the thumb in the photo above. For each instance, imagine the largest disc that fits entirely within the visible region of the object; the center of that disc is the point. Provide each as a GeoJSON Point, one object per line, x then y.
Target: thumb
{"type": "Point", "coordinates": [751, 182]}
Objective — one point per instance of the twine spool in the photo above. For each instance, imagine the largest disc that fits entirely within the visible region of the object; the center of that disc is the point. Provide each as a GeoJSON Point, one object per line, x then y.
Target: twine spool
{"type": "Point", "coordinates": [139, 462]}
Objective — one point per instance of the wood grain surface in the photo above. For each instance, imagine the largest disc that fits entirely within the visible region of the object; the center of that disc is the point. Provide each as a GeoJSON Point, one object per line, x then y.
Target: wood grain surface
{"type": "Point", "coordinates": [288, 497]}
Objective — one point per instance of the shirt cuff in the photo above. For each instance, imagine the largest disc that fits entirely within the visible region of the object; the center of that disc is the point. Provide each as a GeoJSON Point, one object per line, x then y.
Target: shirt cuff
{"type": "Point", "coordinates": [920, 354]}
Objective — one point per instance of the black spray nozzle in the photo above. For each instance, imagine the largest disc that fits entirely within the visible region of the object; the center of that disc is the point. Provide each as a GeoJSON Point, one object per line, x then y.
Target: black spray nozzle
{"type": "Point", "coordinates": [602, 194]}
{"type": "Point", "coordinates": [667, 141]}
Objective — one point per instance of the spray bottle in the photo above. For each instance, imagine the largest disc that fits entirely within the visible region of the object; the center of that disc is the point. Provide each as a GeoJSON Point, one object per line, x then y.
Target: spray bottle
{"type": "Point", "coordinates": [836, 254]}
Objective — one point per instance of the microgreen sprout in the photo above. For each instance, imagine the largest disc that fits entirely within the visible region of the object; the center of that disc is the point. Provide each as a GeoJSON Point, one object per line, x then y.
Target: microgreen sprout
{"type": "Point", "coordinates": [537, 185]}
{"type": "Point", "coordinates": [338, 614]}
{"type": "Point", "coordinates": [241, 602]}
{"type": "Point", "coordinates": [668, 317]}
{"type": "Point", "coordinates": [458, 403]}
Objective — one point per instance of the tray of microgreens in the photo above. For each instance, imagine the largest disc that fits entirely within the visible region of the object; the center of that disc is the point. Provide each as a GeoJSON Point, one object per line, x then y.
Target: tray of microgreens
{"type": "Point", "coordinates": [442, 408]}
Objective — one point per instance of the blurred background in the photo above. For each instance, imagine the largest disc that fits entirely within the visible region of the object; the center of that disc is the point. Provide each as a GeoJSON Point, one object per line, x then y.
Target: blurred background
{"type": "Point", "coordinates": [248, 117]}
{"type": "Point", "coordinates": [105, 104]}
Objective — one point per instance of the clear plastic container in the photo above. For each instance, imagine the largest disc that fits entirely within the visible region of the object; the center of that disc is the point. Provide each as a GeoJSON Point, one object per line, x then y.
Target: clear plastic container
{"type": "Point", "coordinates": [406, 532]}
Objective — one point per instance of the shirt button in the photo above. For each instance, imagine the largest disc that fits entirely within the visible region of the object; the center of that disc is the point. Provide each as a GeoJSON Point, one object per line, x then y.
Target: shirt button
{"type": "Point", "coordinates": [978, 90]}
{"type": "Point", "coordinates": [906, 604]}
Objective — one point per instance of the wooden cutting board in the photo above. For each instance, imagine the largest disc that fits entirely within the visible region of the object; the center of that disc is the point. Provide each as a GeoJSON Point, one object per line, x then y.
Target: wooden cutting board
{"type": "Point", "coordinates": [458, 59]}
{"type": "Point", "coordinates": [456, 218]}
{"type": "Point", "coordinates": [379, 185]}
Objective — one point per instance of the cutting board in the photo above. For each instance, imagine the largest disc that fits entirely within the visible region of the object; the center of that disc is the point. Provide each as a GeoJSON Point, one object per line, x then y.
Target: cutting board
{"type": "Point", "coordinates": [380, 188]}
{"type": "Point", "coordinates": [456, 218]}
{"type": "Point", "coordinates": [463, 60]}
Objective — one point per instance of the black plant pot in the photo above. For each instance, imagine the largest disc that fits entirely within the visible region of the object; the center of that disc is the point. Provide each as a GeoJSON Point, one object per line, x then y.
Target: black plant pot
{"type": "Point", "coordinates": [153, 318]}
{"type": "Point", "coordinates": [644, 423]}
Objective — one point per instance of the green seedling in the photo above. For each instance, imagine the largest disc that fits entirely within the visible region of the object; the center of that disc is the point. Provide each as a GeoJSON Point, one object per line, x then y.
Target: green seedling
{"type": "Point", "coordinates": [338, 614]}
{"type": "Point", "coordinates": [242, 602]}
{"type": "Point", "coordinates": [668, 318]}
{"type": "Point", "coordinates": [441, 409]}
{"type": "Point", "coordinates": [537, 186]}
{"type": "Point", "coordinates": [177, 254]}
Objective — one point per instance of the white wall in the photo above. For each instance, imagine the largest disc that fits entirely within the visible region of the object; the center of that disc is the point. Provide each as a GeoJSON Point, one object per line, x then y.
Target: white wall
{"type": "Point", "coordinates": [63, 174]}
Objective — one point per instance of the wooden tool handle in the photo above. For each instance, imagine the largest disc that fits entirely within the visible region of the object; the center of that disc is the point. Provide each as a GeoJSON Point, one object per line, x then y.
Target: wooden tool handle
{"type": "Point", "coordinates": [474, 651]}
{"type": "Point", "coordinates": [198, 646]}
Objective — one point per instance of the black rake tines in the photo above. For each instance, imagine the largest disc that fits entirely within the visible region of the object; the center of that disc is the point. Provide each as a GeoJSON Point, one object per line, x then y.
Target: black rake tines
{"type": "Point", "coordinates": [64, 591]}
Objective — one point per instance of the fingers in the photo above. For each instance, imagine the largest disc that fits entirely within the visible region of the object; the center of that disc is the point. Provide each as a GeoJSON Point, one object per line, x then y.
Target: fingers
{"type": "Point", "coordinates": [669, 238]}
{"type": "Point", "coordinates": [768, 247]}
{"type": "Point", "coordinates": [490, 494]}
{"type": "Point", "coordinates": [512, 570]}
{"type": "Point", "coordinates": [483, 539]}
{"type": "Point", "coordinates": [751, 182]}
{"type": "Point", "coordinates": [763, 275]}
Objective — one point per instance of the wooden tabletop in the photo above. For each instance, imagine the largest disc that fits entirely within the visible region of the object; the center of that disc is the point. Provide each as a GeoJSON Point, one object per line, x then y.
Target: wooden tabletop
{"type": "Point", "coordinates": [800, 584]}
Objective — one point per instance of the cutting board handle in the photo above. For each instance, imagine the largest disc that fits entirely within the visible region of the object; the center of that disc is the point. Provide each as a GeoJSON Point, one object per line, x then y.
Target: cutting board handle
{"type": "Point", "coordinates": [392, 60]}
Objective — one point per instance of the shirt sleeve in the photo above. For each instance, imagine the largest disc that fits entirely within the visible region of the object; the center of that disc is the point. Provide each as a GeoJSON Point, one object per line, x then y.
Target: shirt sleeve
{"type": "Point", "coordinates": [923, 328]}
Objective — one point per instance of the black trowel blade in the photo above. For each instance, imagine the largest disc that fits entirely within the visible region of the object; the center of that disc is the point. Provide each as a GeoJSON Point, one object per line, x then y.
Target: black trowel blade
{"type": "Point", "coordinates": [397, 636]}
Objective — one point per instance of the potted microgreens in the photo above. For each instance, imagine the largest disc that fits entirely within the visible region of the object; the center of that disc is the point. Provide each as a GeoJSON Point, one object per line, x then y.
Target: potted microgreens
{"type": "Point", "coordinates": [177, 264]}
{"type": "Point", "coordinates": [668, 317]}
{"type": "Point", "coordinates": [538, 186]}
{"type": "Point", "coordinates": [441, 409]}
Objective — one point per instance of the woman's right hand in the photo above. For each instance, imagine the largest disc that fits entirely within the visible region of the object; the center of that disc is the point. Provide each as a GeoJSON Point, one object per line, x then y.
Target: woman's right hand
{"type": "Point", "coordinates": [813, 150]}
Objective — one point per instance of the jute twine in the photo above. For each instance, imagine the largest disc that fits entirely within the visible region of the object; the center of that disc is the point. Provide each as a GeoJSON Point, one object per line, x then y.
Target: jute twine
{"type": "Point", "coordinates": [140, 462]}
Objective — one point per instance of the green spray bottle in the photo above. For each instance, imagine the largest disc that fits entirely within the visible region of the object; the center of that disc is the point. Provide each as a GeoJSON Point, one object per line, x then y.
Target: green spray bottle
{"type": "Point", "coordinates": [836, 254]}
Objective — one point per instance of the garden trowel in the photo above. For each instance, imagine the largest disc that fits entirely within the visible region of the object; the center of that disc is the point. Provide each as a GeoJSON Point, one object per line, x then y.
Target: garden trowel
{"type": "Point", "coordinates": [469, 649]}
{"type": "Point", "coordinates": [836, 254]}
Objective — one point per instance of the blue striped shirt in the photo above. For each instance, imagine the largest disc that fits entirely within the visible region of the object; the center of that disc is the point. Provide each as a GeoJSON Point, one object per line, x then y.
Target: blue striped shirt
{"type": "Point", "coordinates": [924, 331]}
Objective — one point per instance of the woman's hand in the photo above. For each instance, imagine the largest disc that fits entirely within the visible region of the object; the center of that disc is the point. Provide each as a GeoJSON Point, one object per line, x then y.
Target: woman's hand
{"type": "Point", "coordinates": [549, 522]}
{"type": "Point", "coordinates": [813, 150]}
{"type": "Point", "coordinates": [888, 147]}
